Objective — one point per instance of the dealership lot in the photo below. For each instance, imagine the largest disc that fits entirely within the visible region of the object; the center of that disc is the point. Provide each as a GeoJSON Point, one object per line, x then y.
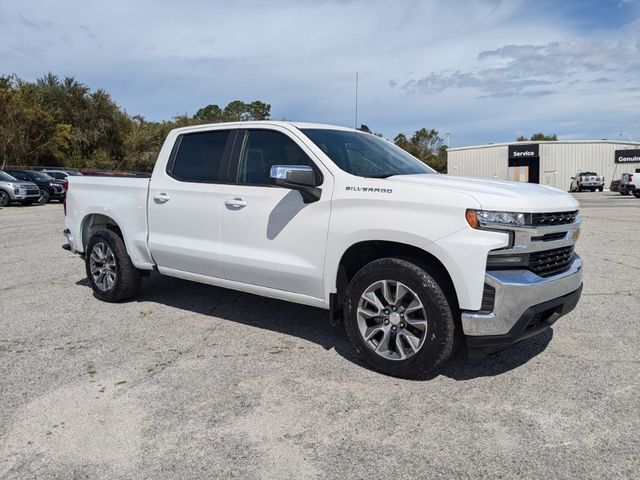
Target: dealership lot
{"type": "Point", "coordinates": [194, 381]}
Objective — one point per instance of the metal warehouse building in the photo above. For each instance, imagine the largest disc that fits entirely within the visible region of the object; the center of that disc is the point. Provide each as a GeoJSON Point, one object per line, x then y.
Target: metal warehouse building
{"type": "Point", "coordinates": [550, 163]}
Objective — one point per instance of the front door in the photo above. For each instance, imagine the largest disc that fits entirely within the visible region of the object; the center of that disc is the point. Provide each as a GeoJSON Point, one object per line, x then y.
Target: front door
{"type": "Point", "coordinates": [185, 204]}
{"type": "Point", "coordinates": [270, 237]}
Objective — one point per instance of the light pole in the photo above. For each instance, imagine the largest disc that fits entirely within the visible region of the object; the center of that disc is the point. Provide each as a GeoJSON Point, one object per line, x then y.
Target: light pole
{"type": "Point", "coordinates": [448, 134]}
{"type": "Point", "coordinates": [627, 134]}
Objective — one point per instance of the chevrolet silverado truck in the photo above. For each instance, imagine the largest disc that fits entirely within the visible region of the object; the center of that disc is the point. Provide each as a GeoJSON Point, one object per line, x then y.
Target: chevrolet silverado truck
{"type": "Point", "coordinates": [411, 261]}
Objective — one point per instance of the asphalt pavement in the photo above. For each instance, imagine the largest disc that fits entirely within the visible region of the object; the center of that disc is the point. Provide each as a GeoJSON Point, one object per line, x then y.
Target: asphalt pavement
{"type": "Point", "coordinates": [193, 381]}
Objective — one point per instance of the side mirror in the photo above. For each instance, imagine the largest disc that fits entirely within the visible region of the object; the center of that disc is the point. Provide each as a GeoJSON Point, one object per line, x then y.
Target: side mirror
{"type": "Point", "coordinates": [573, 178]}
{"type": "Point", "coordinates": [297, 177]}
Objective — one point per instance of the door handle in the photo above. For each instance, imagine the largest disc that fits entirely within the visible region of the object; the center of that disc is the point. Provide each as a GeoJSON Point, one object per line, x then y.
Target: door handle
{"type": "Point", "coordinates": [161, 198]}
{"type": "Point", "coordinates": [235, 203]}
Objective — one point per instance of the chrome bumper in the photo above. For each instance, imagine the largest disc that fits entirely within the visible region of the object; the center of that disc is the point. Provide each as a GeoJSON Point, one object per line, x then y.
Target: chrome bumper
{"type": "Point", "coordinates": [516, 292]}
{"type": "Point", "coordinates": [70, 241]}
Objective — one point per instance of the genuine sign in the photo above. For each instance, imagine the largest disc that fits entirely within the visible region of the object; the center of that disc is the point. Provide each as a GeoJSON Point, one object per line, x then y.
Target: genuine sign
{"type": "Point", "coordinates": [627, 156]}
{"type": "Point", "coordinates": [523, 151]}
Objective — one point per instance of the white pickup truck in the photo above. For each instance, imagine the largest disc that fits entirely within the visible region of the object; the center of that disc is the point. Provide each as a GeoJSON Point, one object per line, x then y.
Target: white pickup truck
{"type": "Point", "coordinates": [336, 218]}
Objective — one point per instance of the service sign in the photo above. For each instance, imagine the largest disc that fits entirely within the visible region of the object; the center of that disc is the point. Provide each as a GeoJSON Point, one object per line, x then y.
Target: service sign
{"type": "Point", "coordinates": [523, 151]}
{"type": "Point", "coordinates": [627, 156]}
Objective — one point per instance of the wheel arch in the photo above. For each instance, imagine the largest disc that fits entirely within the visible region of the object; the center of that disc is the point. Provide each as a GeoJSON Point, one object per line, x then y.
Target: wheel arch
{"type": "Point", "coordinates": [94, 222]}
{"type": "Point", "coordinates": [361, 253]}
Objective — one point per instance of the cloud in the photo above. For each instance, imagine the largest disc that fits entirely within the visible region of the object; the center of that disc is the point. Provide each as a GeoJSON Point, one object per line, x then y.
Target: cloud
{"type": "Point", "coordinates": [445, 65]}
{"type": "Point", "coordinates": [516, 70]}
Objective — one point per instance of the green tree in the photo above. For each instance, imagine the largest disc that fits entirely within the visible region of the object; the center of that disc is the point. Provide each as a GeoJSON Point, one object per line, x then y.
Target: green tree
{"type": "Point", "coordinates": [258, 110]}
{"type": "Point", "coordinates": [427, 146]}
{"type": "Point", "coordinates": [537, 137]}
{"type": "Point", "coordinates": [209, 114]}
{"type": "Point", "coordinates": [235, 111]}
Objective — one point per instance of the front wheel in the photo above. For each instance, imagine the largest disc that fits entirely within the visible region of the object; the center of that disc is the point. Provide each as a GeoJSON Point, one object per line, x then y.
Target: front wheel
{"type": "Point", "coordinates": [112, 275]}
{"type": "Point", "coordinates": [399, 319]}
{"type": "Point", "coordinates": [636, 193]}
{"type": "Point", "coordinates": [45, 195]}
{"type": "Point", "coordinates": [4, 198]}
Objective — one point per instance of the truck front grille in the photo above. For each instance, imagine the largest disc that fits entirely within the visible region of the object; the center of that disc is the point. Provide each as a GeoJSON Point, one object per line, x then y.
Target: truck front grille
{"type": "Point", "coordinates": [550, 219]}
{"type": "Point", "coordinates": [550, 262]}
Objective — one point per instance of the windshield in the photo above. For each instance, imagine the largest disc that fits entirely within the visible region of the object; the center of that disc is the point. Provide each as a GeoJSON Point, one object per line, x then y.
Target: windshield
{"type": "Point", "coordinates": [5, 177]}
{"type": "Point", "coordinates": [40, 176]}
{"type": "Point", "coordinates": [590, 174]}
{"type": "Point", "coordinates": [364, 154]}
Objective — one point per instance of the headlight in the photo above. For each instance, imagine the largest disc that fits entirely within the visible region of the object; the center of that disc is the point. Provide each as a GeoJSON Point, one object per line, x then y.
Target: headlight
{"type": "Point", "coordinates": [485, 218]}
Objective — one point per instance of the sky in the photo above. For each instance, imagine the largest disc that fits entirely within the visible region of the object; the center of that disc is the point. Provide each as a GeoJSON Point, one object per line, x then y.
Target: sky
{"type": "Point", "coordinates": [485, 70]}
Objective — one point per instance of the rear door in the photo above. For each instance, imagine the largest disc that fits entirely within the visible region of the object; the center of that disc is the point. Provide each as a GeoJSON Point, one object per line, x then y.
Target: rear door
{"type": "Point", "coordinates": [270, 237]}
{"type": "Point", "coordinates": [185, 204]}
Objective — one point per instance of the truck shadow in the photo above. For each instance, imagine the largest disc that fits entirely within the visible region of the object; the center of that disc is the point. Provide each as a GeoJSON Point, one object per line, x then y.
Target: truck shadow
{"type": "Point", "coordinates": [311, 324]}
{"type": "Point", "coordinates": [462, 368]}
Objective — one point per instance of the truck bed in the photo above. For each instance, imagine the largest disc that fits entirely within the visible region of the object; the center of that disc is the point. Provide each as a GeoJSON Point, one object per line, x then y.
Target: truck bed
{"type": "Point", "coordinates": [122, 199]}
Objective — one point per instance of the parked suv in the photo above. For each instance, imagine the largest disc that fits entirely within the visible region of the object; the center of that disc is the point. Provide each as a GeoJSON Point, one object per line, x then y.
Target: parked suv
{"type": "Point", "coordinates": [586, 181]}
{"type": "Point", "coordinates": [49, 188]}
{"type": "Point", "coordinates": [13, 190]}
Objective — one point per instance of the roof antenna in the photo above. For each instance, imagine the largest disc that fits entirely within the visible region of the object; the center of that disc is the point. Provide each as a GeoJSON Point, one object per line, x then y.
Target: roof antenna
{"type": "Point", "coordinates": [356, 125]}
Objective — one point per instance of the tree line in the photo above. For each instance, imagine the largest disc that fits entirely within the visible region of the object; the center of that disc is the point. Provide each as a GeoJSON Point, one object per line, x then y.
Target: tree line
{"type": "Point", "coordinates": [62, 122]}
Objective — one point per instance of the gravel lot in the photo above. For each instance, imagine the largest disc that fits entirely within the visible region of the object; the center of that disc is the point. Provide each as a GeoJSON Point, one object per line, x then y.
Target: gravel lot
{"type": "Point", "coordinates": [192, 381]}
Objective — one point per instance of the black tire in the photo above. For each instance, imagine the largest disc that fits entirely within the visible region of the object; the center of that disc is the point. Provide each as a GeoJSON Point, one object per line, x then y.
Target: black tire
{"type": "Point", "coordinates": [601, 189]}
{"type": "Point", "coordinates": [127, 277]}
{"type": "Point", "coordinates": [579, 188]}
{"type": "Point", "coordinates": [45, 195]}
{"type": "Point", "coordinates": [636, 193]}
{"type": "Point", "coordinates": [439, 341]}
{"type": "Point", "coordinates": [5, 199]}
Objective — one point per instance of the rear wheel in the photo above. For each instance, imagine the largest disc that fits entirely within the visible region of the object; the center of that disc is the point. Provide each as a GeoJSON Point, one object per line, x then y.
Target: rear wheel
{"type": "Point", "coordinates": [112, 275]}
{"type": "Point", "coordinates": [399, 319]}
{"type": "Point", "coordinates": [601, 189]}
{"type": "Point", "coordinates": [4, 198]}
{"type": "Point", "coordinates": [636, 193]}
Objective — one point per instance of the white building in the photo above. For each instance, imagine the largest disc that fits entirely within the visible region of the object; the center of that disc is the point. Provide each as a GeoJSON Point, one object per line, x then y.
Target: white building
{"type": "Point", "coordinates": [551, 163]}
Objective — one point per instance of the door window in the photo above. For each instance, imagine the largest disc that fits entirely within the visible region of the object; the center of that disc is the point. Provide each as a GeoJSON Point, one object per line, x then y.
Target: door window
{"type": "Point", "coordinates": [262, 150]}
{"type": "Point", "coordinates": [199, 157]}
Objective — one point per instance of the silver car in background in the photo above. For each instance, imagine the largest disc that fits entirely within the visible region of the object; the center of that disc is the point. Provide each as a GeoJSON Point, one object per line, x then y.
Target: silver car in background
{"type": "Point", "coordinates": [12, 190]}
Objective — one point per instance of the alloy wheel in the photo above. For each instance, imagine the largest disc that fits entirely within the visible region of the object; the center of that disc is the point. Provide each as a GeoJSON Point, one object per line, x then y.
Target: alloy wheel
{"type": "Point", "coordinates": [392, 320]}
{"type": "Point", "coordinates": [102, 264]}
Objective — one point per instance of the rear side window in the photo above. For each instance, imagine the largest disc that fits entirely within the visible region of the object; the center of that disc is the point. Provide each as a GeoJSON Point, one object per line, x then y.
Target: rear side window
{"type": "Point", "coordinates": [199, 157]}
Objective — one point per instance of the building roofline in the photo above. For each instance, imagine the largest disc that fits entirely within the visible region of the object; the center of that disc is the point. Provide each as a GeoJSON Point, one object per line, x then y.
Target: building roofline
{"type": "Point", "coordinates": [551, 142]}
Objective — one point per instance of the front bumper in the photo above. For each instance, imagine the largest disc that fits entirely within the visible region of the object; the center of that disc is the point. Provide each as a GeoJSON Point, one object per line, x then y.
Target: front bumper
{"type": "Point", "coordinates": [24, 195]}
{"type": "Point", "coordinates": [525, 304]}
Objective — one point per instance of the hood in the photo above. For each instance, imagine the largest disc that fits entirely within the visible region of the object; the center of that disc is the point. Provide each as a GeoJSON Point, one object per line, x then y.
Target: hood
{"type": "Point", "coordinates": [494, 194]}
